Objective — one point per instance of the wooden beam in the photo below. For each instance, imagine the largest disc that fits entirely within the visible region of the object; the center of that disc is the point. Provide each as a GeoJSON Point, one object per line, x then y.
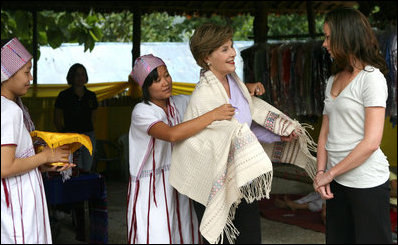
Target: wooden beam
{"type": "Point", "coordinates": [136, 34]}
{"type": "Point", "coordinates": [311, 20]}
{"type": "Point", "coordinates": [35, 46]}
{"type": "Point", "coordinates": [260, 22]}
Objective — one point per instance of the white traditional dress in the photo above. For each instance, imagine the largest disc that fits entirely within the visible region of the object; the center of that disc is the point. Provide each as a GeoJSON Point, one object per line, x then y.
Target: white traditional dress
{"type": "Point", "coordinates": [24, 215]}
{"type": "Point", "coordinates": [156, 212]}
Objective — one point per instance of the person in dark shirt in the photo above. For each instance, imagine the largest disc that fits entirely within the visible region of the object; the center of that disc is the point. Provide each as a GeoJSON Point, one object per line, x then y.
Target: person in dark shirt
{"type": "Point", "coordinates": [75, 110]}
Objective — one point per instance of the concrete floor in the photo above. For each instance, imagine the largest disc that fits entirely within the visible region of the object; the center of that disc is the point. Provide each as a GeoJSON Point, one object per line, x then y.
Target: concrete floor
{"type": "Point", "coordinates": [272, 232]}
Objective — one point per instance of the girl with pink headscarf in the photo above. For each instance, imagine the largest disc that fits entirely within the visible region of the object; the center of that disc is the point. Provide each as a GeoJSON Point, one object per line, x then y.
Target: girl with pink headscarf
{"type": "Point", "coordinates": [156, 212]}
{"type": "Point", "coordinates": [24, 215]}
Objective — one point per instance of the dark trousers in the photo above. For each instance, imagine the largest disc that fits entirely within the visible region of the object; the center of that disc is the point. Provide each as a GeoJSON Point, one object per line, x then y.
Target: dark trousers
{"type": "Point", "coordinates": [358, 215]}
{"type": "Point", "coordinates": [247, 221]}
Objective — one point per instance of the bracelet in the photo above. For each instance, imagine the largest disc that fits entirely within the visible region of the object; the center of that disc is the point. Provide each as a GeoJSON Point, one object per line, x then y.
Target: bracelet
{"type": "Point", "coordinates": [320, 171]}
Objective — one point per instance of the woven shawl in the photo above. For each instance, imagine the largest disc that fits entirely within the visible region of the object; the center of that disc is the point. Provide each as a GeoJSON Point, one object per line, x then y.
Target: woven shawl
{"type": "Point", "coordinates": [225, 162]}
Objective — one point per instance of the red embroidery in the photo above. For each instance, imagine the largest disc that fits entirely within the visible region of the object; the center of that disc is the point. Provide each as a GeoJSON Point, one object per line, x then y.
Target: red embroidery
{"type": "Point", "coordinates": [167, 209]}
{"type": "Point", "coordinates": [6, 192]}
{"type": "Point", "coordinates": [178, 217]}
{"type": "Point", "coordinates": [149, 209]}
{"type": "Point", "coordinates": [153, 170]}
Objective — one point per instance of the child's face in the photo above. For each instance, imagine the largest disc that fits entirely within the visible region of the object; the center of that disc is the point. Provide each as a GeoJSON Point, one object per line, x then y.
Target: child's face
{"type": "Point", "coordinates": [19, 83]}
{"type": "Point", "coordinates": [161, 88]}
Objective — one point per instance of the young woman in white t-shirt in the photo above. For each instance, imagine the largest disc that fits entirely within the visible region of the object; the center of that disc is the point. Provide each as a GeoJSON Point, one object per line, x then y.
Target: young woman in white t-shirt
{"type": "Point", "coordinates": [352, 171]}
{"type": "Point", "coordinates": [24, 215]}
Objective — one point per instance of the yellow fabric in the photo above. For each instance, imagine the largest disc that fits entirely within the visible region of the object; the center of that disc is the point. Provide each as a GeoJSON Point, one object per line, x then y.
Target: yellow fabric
{"type": "Point", "coordinates": [103, 90]}
{"type": "Point", "coordinates": [183, 88]}
{"type": "Point", "coordinates": [54, 140]}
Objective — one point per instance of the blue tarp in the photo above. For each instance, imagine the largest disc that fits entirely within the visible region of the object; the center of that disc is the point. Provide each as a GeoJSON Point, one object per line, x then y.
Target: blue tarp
{"type": "Point", "coordinates": [112, 62]}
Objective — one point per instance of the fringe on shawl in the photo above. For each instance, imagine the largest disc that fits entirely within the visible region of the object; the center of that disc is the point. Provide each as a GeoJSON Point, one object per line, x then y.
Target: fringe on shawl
{"type": "Point", "coordinates": [255, 190]}
{"type": "Point", "coordinates": [307, 144]}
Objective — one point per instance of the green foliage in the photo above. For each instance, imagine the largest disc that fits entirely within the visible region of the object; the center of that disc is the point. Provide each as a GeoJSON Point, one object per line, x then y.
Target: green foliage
{"type": "Point", "coordinates": [55, 28]}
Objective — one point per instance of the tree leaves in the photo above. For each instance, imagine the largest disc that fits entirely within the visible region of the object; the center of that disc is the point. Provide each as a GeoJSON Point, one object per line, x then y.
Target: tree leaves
{"type": "Point", "coordinates": [55, 28]}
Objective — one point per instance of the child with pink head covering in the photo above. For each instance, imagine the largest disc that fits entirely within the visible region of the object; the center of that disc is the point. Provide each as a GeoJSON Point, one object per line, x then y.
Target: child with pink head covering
{"type": "Point", "coordinates": [24, 215]}
{"type": "Point", "coordinates": [156, 212]}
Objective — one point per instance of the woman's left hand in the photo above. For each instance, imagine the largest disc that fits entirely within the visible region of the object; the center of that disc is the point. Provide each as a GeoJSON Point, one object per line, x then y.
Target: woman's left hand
{"type": "Point", "coordinates": [289, 138]}
{"type": "Point", "coordinates": [255, 88]}
{"type": "Point", "coordinates": [322, 179]}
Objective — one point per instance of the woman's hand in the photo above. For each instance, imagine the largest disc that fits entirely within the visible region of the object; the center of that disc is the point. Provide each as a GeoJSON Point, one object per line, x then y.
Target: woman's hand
{"type": "Point", "coordinates": [255, 88]}
{"type": "Point", "coordinates": [289, 138]}
{"type": "Point", "coordinates": [323, 190]}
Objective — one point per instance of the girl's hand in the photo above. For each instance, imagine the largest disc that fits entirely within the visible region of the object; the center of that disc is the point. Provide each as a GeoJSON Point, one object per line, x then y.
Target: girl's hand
{"type": "Point", "coordinates": [59, 154]}
{"type": "Point", "coordinates": [51, 168]}
{"type": "Point", "coordinates": [224, 112]}
{"type": "Point", "coordinates": [255, 88]}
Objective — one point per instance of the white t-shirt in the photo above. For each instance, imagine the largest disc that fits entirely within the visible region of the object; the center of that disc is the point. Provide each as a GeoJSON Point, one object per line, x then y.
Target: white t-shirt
{"type": "Point", "coordinates": [168, 218]}
{"type": "Point", "coordinates": [24, 215]}
{"type": "Point", "coordinates": [346, 115]}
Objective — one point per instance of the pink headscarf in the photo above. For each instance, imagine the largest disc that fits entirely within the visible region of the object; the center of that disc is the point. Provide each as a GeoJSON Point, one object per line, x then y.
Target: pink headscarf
{"type": "Point", "coordinates": [143, 66]}
{"type": "Point", "coordinates": [13, 56]}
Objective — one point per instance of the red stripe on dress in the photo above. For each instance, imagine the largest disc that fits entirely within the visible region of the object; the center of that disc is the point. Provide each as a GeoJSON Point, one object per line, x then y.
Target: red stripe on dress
{"type": "Point", "coordinates": [149, 209]}
{"type": "Point", "coordinates": [34, 199]}
{"type": "Point", "coordinates": [133, 219]}
{"type": "Point", "coordinates": [179, 217]}
{"type": "Point", "coordinates": [153, 170]}
{"type": "Point", "coordinates": [127, 209]}
{"type": "Point", "coordinates": [40, 180]}
{"type": "Point", "coordinates": [9, 145]}
{"type": "Point", "coordinates": [190, 216]}
{"type": "Point", "coordinates": [12, 210]}
{"type": "Point", "coordinates": [6, 192]}
{"type": "Point", "coordinates": [20, 200]}
{"type": "Point", "coordinates": [167, 208]}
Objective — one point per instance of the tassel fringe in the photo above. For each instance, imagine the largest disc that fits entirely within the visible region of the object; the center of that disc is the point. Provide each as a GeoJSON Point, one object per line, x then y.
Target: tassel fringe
{"type": "Point", "coordinates": [255, 190]}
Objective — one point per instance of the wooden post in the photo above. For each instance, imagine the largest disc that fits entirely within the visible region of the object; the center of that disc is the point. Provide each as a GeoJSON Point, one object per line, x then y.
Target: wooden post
{"type": "Point", "coordinates": [136, 34]}
{"type": "Point", "coordinates": [260, 23]}
{"type": "Point", "coordinates": [35, 46]}
{"type": "Point", "coordinates": [311, 20]}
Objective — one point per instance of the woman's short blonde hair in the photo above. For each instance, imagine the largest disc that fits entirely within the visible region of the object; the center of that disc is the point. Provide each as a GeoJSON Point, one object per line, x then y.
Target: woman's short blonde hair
{"type": "Point", "coordinates": [207, 38]}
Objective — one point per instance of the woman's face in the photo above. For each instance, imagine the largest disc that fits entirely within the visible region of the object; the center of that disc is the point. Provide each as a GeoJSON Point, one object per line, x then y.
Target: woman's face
{"type": "Point", "coordinates": [80, 77]}
{"type": "Point", "coordinates": [161, 88]}
{"type": "Point", "coordinates": [326, 42]}
{"type": "Point", "coordinates": [19, 83]}
{"type": "Point", "coordinates": [222, 59]}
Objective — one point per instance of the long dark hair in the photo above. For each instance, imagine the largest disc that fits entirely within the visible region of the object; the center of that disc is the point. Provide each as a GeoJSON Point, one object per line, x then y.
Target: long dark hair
{"type": "Point", "coordinates": [352, 35]}
{"type": "Point", "coordinates": [152, 76]}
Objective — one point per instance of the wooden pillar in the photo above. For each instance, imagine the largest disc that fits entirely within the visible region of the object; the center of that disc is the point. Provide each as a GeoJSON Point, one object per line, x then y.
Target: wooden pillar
{"type": "Point", "coordinates": [311, 20]}
{"type": "Point", "coordinates": [136, 34]}
{"type": "Point", "coordinates": [260, 31]}
{"type": "Point", "coordinates": [260, 23]}
{"type": "Point", "coordinates": [35, 46]}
